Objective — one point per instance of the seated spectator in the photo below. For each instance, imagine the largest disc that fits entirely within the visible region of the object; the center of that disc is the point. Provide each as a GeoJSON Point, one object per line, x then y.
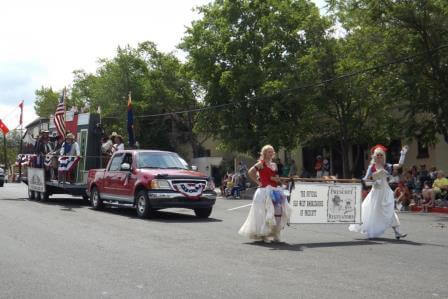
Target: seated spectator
{"type": "Point", "coordinates": [402, 195]}
{"type": "Point", "coordinates": [224, 184]}
{"type": "Point", "coordinates": [433, 173]}
{"type": "Point", "coordinates": [427, 197]}
{"type": "Point", "coordinates": [229, 185]}
{"type": "Point", "coordinates": [423, 175]}
{"type": "Point", "coordinates": [440, 185]}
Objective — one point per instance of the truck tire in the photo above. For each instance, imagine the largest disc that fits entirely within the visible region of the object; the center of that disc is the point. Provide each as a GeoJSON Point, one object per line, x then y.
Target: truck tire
{"type": "Point", "coordinates": [97, 202]}
{"type": "Point", "coordinates": [142, 204]}
{"type": "Point", "coordinates": [31, 194]}
{"type": "Point", "coordinates": [38, 196]}
{"type": "Point", "coordinates": [44, 196]}
{"type": "Point", "coordinates": [203, 212]}
{"type": "Point", "coordinates": [86, 198]}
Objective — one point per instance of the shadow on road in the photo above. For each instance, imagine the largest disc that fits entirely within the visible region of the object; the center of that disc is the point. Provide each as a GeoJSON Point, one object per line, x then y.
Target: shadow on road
{"type": "Point", "coordinates": [14, 199]}
{"type": "Point", "coordinates": [161, 216]}
{"type": "Point", "coordinates": [71, 204]}
{"type": "Point", "coordinates": [68, 204]}
{"type": "Point", "coordinates": [356, 242]}
{"type": "Point", "coordinates": [301, 247]}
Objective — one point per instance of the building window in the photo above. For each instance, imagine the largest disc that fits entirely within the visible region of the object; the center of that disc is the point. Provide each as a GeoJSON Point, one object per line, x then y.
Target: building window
{"type": "Point", "coordinates": [423, 151]}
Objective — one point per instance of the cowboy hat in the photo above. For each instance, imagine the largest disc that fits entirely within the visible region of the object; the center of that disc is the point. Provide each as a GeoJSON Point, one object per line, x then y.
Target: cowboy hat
{"type": "Point", "coordinates": [70, 136]}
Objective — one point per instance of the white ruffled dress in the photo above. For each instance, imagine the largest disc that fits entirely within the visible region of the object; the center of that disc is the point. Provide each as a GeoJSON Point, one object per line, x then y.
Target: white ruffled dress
{"type": "Point", "coordinates": [377, 210]}
{"type": "Point", "coordinates": [260, 222]}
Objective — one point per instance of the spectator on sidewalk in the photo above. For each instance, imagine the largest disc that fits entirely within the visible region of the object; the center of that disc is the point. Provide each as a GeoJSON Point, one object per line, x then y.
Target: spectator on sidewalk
{"type": "Point", "coordinates": [440, 185]}
{"type": "Point", "coordinates": [402, 196]}
{"type": "Point", "coordinates": [427, 197]}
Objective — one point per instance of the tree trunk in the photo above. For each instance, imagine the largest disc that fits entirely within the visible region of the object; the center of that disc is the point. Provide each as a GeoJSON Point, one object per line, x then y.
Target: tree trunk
{"type": "Point", "coordinates": [345, 160]}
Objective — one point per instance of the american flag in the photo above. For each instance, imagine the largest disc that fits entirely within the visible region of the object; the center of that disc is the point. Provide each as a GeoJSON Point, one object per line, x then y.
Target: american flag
{"type": "Point", "coordinates": [59, 115]}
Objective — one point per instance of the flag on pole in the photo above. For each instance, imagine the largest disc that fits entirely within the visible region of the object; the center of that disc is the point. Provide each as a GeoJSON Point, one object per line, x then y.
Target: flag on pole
{"type": "Point", "coordinates": [59, 115]}
{"type": "Point", "coordinates": [130, 122]}
{"type": "Point", "coordinates": [3, 128]}
{"type": "Point", "coordinates": [21, 112]}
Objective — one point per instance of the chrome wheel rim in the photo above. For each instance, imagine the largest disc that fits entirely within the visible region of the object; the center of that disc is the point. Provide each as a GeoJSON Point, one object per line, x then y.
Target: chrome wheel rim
{"type": "Point", "coordinates": [95, 198]}
{"type": "Point", "coordinates": [141, 204]}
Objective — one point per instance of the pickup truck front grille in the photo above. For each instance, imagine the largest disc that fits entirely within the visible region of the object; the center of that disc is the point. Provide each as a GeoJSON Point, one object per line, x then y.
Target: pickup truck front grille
{"type": "Point", "coordinates": [188, 185]}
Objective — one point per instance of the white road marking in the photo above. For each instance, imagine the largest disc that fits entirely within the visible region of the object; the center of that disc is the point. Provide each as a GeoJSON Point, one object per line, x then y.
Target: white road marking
{"type": "Point", "coordinates": [239, 207]}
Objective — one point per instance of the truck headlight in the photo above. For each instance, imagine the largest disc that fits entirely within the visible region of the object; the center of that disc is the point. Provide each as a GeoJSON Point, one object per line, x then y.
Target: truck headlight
{"type": "Point", "coordinates": [160, 184]}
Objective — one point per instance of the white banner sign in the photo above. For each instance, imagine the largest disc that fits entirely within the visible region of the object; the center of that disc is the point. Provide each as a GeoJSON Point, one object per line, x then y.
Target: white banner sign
{"type": "Point", "coordinates": [326, 202]}
{"type": "Point", "coordinates": [36, 179]}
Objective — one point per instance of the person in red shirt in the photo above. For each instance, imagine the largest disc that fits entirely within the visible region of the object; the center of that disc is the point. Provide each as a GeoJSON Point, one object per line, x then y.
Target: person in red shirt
{"type": "Point", "coordinates": [402, 195]}
{"type": "Point", "coordinates": [270, 210]}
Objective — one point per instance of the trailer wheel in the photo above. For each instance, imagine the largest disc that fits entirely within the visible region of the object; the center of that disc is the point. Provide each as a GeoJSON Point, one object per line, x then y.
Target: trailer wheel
{"type": "Point", "coordinates": [142, 202]}
{"type": "Point", "coordinates": [31, 194]}
{"type": "Point", "coordinates": [97, 202]}
{"type": "Point", "coordinates": [45, 196]}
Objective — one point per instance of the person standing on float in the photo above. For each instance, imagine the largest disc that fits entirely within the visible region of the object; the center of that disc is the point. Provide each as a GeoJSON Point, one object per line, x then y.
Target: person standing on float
{"type": "Point", "coordinates": [377, 210]}
{"type": "Point", "coordinates": [270, 210]}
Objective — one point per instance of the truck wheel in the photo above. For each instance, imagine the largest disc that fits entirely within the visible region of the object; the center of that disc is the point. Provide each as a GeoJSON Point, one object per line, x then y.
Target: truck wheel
{"type": "Point", "coordinates": [142, 203]}
{"type": "Point", "coordinates": [203, 212]}
{"type": "Point", "coordinates": [97, 202]}
{"type": "Point", "coordinates": [86, 198]}
{"type": "Point", "coordinates": [38, 196]}
{"type": "Point", "coordinates": [31, 194]}
{"type": "Point", "coordinates": [45, 196]}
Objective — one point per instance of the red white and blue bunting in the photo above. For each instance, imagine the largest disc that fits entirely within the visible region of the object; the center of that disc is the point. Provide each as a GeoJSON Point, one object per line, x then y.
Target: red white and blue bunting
{"type": "Point", "coordinates": [191, 190]}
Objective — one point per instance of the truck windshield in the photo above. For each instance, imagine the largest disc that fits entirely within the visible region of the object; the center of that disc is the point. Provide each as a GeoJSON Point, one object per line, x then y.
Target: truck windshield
{"type": "Point", "coordinates": [161, 160]}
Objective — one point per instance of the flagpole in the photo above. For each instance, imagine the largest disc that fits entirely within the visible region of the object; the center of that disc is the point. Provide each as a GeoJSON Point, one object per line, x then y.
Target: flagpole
{"type": "Point", "coordinates": [4, 151]}
{"type": "Point", "coordinates": [21, 142]}
{"type": "Point", "coordinates": [65, 111]}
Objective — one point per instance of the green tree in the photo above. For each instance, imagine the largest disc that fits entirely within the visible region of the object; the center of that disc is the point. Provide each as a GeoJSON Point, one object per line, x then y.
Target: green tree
{"type": "Point", "coordinates": [349, 111]}
{"type": "Point", "coordinates": [407, 28]}
{"type": "Point", "coordinates": [243, 53]}
{"type": "Point", "coordinates": [46, 101]}
{"type": "Point", "coordinates": [159, 84]}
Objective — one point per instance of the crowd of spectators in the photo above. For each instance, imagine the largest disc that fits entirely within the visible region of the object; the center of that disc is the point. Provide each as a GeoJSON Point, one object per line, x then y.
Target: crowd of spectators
{"type": "Point", "coordinates": [420, 187]}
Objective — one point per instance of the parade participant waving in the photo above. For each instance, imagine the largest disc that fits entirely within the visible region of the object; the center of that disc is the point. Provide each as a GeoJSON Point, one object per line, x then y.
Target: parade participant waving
{"type": "Point", "coordinates": [269, 211]}
{"type": "Point", "coordinates": [378, 212]}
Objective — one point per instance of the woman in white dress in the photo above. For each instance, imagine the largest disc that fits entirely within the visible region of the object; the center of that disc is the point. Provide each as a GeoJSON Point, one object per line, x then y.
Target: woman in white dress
{"type": "Point", "coordinates": [377, 210]}
{"type": "Point", "coordinates": [270, 210]}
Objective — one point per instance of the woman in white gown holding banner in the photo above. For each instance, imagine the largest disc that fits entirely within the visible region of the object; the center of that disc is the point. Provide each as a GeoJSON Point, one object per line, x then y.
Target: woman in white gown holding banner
{"type": "Point", "coordinates": [377, 210]}
{"type": "Point", "coordinates": [270, 210]}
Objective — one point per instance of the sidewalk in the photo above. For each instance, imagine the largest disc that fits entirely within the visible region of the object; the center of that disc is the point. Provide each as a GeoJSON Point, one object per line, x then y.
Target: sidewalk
{"type": "Point", "coordinates": [431, 210]}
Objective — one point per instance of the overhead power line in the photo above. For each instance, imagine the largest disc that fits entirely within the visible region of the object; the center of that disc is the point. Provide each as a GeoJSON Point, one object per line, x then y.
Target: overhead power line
{"type": "Point", "coordinates": [307, 86]}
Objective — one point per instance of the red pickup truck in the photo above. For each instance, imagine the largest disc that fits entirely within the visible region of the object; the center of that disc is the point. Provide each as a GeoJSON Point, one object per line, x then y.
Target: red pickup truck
{"type": "Point", "coordinates": [150, 180]}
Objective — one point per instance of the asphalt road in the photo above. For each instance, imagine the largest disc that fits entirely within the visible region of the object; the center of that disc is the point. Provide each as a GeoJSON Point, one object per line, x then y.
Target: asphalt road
{"type": "Point", "coordinates": [64, 249]}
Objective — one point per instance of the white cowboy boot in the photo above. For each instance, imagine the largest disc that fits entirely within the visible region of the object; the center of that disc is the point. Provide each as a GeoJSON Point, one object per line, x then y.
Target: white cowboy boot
{"type": "Point", "coordinates": [398, 235]}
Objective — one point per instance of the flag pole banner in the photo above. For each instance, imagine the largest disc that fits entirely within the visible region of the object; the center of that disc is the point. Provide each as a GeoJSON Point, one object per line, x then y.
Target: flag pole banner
{"type": "Point", "coordinates": [59, 116]}
{"type": "Point", "coordinates": [326, 202]}
{"type": "Point", "coordinates": [130, 123]}
{"type": "Point", "coordinates": [3, 128]}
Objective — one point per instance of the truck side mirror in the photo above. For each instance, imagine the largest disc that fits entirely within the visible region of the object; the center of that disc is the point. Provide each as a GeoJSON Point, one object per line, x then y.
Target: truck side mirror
{"type": "Point", "coordinates": [194, 168]}
{"type": "Point", "coordinates": [125, 167]}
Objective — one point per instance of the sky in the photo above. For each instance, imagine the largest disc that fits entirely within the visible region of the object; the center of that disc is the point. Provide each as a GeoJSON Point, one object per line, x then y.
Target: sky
{"type": "Point", "coordinates": [43, 42]}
